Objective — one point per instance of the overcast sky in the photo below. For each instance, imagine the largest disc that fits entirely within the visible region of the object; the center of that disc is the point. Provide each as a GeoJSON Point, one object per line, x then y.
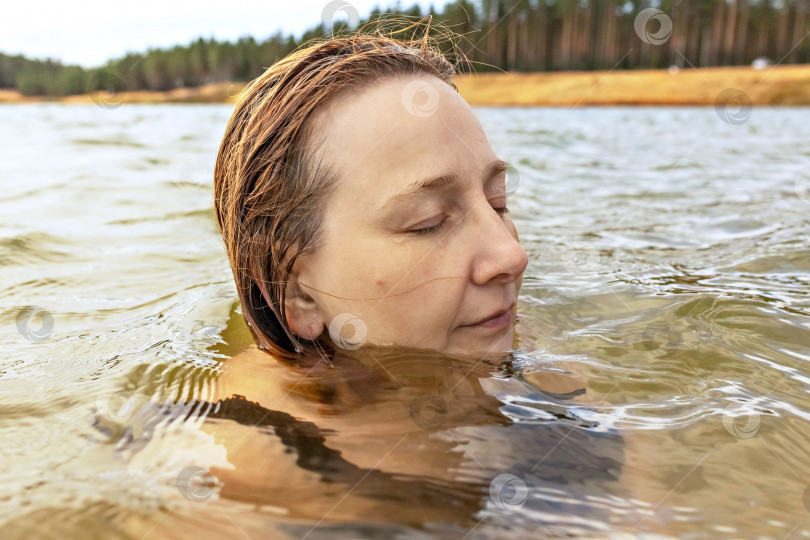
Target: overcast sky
{"type": "Point", "coordinates": [92, 31]}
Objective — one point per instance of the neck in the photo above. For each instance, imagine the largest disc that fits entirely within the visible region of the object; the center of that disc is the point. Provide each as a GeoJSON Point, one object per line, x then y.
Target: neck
{"type": "Point", "coordinates": [371, 374]}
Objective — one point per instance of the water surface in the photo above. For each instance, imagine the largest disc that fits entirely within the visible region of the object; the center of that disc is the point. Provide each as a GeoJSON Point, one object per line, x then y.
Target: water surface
{"type": "Point", "coordinates": [659, 385]}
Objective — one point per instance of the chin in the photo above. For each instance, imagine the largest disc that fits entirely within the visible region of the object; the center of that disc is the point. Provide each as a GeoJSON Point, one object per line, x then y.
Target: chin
{"type": "Point", "coordinates": [497, 346]}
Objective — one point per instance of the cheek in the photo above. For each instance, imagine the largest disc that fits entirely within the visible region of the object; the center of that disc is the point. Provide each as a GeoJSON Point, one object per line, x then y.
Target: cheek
{"type": "Point", "coordinates": [434, 271]}
{"type": "Point", "coordinates": [396, 272]}
{"type": "Point", "coordinates": [334, 275]}
{"type": "Point", "coordinates": [425, 288]}
{"type": "Point", "coordinates": [433, 285]}
{"type": "Point", "coordinates": [405, 294]}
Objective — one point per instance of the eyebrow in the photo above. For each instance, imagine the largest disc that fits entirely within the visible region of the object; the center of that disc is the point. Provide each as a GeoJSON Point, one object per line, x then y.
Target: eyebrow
{"type": "Point", "coordinates": [444, 180]}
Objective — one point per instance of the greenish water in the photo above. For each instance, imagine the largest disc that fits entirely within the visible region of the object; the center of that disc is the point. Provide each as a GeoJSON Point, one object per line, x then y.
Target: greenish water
{"type": "Point", "coordinates": [669, 269]}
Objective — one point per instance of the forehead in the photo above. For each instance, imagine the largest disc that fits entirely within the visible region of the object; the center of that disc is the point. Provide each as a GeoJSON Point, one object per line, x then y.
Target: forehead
{"type": "Point", "coordinates": [385, 135]}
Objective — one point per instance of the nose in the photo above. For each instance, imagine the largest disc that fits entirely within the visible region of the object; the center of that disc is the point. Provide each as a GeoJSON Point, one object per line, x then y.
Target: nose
{"type": "Point", "coordinates": [499, 255]}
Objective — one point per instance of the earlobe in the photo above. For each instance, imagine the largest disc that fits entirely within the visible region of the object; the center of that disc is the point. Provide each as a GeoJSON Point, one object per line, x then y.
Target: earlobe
{"type": "Point", "coordinates": [303, 316]}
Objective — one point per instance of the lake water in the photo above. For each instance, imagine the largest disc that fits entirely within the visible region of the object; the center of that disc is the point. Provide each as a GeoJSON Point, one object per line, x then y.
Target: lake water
{"type": "Point", "coordinates": [669, 270]}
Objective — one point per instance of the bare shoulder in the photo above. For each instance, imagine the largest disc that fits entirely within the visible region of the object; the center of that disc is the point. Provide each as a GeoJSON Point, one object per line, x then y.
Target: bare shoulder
{"type": "Point", "coordinates": [251, 373]}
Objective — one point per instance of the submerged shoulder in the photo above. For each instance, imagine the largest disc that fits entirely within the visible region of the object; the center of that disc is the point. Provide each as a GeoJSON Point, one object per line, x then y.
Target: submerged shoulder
{"type": "Point", "coordinates": [567, 383]}
{"type": "Point", "coordinates": [252, 374]}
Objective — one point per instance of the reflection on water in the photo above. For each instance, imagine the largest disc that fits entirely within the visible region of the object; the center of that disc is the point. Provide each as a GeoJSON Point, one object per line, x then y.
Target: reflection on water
{"type": "Point", "coordinates": [660, 383]}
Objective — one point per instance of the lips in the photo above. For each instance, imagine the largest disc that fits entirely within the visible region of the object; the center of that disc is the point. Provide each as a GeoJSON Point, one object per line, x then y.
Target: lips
{"type": "Point", "coordinates": [495, 319]}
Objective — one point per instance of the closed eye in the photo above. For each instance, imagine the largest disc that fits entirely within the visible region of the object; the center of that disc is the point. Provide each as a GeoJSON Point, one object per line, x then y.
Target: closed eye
{"type": "Point", "coordinates": [501, 210]}
{"type": "Point", "coordinates": [429, 230]}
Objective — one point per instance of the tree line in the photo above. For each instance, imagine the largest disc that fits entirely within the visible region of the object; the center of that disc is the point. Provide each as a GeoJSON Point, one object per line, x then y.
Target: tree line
{"type": "Point", "coordinates": [511, 35]}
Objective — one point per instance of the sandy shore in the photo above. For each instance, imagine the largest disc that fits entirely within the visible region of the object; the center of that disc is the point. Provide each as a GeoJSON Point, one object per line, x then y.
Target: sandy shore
{"type": "Point", "coordinates": [782, 85]}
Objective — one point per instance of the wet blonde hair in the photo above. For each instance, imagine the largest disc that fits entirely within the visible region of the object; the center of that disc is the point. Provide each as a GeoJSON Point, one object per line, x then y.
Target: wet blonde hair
{"type": "Point", "coordinates": [270, 186]}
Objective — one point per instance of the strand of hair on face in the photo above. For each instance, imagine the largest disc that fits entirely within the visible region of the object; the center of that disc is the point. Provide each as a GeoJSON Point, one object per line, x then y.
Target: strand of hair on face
{"type": "Point", "coordinates": [368, 299]}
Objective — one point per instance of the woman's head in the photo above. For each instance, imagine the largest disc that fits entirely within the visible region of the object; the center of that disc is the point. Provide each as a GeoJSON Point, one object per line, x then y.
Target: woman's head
{"type": "Point", "coordinates": [329, 234]}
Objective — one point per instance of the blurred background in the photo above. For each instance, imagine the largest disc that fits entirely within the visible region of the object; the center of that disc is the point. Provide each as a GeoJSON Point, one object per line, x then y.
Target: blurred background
{"type": "Point", "coordinates": [159, 48]}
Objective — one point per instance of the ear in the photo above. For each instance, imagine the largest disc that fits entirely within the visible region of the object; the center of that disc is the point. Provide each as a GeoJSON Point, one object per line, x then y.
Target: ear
{"type": "Point", "coordinates": [303, 316]}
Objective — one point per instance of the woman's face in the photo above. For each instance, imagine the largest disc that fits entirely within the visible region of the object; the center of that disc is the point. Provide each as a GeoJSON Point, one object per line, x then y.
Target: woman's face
{"type": "Point", "coordinates": [402, 265]}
